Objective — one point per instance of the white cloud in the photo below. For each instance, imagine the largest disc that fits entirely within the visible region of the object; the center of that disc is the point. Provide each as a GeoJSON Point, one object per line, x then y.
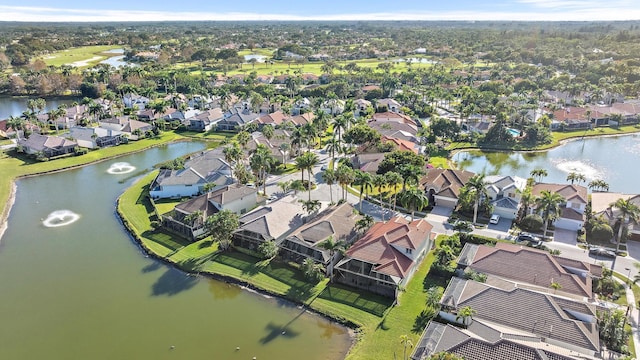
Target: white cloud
{"type": "Point", "coordinates": [550, 10]}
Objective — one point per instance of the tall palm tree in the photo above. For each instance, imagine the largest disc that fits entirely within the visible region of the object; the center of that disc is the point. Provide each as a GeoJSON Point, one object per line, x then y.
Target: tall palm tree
{"type": "Point", "coordinates": [365, 181]}
{"type": "Point", "coordinates": [306, 162]}
{"type": "Point", "coordinates": [332, 146]}
{"type": "Point", "coordinates": [394, 179]}
{"type": "Point", "coordinates": [332, 245]}
{"type": "Point", "coordinates": [548, 203]}
{"type": "Point", "coordinates": [262, 162]}
{"type": "Point", "coordinates": [576, 177]}
{"type": "Point", "coordinates": [538, 174]}
{"type": "Point", "coordinates": [413, 199]}
{"type": "Point", "coordinates": [478, 187]}
{"type": "Point", "coordinates": [232, 154]}
{"type": "Point", "coordinates": [345, 176]}
{"type": "Point", "coordinates": [598, 185]}
{"type": "Point", "coordinates": [380, 181]}
{"type": "Point", "coordinates": [17, 124]}
{"type": "Point", "coordinates": [628, 212]}
{"type": "Point", "coordinates": [406, 342]}
{"type": "Point", "coordinates": [526, 199]}
{"type": "Point", "coordinates": [329, 177]}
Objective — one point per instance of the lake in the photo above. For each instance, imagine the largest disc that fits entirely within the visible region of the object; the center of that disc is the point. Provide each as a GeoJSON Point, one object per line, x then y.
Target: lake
{"type": "Point", "coordinates": [118, 60]}
{"type": "Point", "coordinates": [15, 105]}
{"type": "Point", "coordinates": [612, 159]}
{"type": "Point", "coordinates": [85, 291]}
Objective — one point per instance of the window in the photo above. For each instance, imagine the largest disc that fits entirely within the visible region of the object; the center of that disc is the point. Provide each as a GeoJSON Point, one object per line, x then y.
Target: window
{"type": "Point", "coordinates": [408, 251]}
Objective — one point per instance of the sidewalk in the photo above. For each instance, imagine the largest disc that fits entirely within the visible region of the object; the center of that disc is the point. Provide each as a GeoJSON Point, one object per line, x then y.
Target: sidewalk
{"type": "Point", "coordinates": [634, 315]}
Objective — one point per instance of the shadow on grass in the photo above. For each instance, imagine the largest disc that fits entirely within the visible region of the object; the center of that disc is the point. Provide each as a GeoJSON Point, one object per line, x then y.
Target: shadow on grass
{"type": "Point", "coordinates": [362, 300]}
{"type": "Point", "coordinates": [422, 320]}
{"type": "Point", "coordinates": [173, 282]}
{"type": "Point", "coordinates": [434, 280]}
{"type": "Point", "coordinates": [204, 244]}
{"type": "Point", "coordinates": [173, 243]}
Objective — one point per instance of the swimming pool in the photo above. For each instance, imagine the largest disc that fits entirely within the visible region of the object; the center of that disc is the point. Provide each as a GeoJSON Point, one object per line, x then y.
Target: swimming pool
{"type": "Point", "coordinates": [514, 132]}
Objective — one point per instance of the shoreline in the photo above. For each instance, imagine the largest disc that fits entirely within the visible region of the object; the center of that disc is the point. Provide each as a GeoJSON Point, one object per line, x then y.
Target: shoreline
{"type": "Point", "coordinates": [352, 328]}
{"type": "Point", "coordinates": [4, 216]}
{"type": "Point", "coordinates": [560, 143]}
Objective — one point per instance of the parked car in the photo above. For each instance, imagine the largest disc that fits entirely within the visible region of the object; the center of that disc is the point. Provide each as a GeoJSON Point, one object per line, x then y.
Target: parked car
{"type": "Point", "coordinates": [324, 167]}
{"type": "Point", "coordinates": [523, 236]}
{"type": "Point", "coordinates": [495, 218]}
{"type": "Point", "coordinates": [272, 198]}
{"type": "Point", "coordinates": [603, 252]}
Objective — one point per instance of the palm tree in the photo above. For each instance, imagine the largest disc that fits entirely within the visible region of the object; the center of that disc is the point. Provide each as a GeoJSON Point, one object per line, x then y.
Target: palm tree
{"type": "Point", "coordinates": [406, 342]}
{"type": "Point", "coordinates": [598, 185]}
{"type": "Point", "coordinates": [434, 295]}
{"type": "Point", "coordinates": [548, 203]}
{"type": "Point", "coordinates": [380, 181]}
{"type": "Point", "coordinates": [284, 150]}
{"type": "Point", "coordinates": [306, 162]}
{"type": "Point", "coordinates": [538, 173]}
{"type": "Point", "coordinates": [576, 177]}
{"type": "Point", "coordinates": [365, 181]}
{"type": "Point", "coordinates": [17, 124]}
{"type": "Point", "coordinates": [332, 245]}
{"type": "Point", "coordinates": [413, 199]}
{"type": "Point", "coordinates": [243, 138]}
{"type": "Point", "coordinates": [477, 185]}
{"type": "Point", "coordinates": [310, 206]}
{"type": "Point", "coordinates": [232, 154]}
{"type": "Point", "coordinates": [262, 162]}
{"type": "Point", "coordinates": [345, 176]}
{"type": "Point", "coordinates": [628, 212]}
{"type": "Point", "coordinates": [332, 146]}
{"type": "Point", "coordinates": [555, 286]}
{"type": "Point", "coordinates": [394, 179]}
{"type": "Point", "coordinates": [466, 315]}
{"type": "Point", "coordinates": [526, 199]}
{"type": "Point", "coordinates": [329, 177]}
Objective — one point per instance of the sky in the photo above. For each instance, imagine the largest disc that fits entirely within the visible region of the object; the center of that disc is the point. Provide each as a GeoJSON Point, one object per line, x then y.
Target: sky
{"type": "Point", "coordinates": [163, 10]}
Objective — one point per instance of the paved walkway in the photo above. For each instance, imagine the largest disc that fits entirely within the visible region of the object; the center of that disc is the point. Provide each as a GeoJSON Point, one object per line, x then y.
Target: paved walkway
{"type": "Point", "coordinates": [634, 315]}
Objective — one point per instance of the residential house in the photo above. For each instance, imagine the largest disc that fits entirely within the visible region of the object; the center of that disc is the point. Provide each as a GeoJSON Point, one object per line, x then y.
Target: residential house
{"type": "Point", "coordinates": [337, 222]}
{"type": "Point", "coordinates": [505, 194]}
{"type": "Point", "coordinates": [237, 198]}
{"type": "Point", "coordinates": [368, 162]}
{"type": "Point", "coordinates": [486, 341]}
{"type": "Point", "coordinates": [601, 207]}
{"type": "Point", "coordinates": [531, 268]}
{"type": "Point", "coordinates": [302, 119]}
{"type": "Point", "coordinates": [275, 145]}
{"type": "Point", "coordinates": [206, 120]}
{"type": "Point", "coordinates": [135, 129]}
{"type": "Point", "coordinates": [572, 215]}
{"type": "Point", "coordinates": [536, 317]}
{"type": "Point", "coordinates": [388, 116]}
{"type": "Point", "coordinates": [572, 118]}
{"type": "Point", "coordinates": [386, 256]}
{"type": "Point", "coordinates": [403, 145]}
{"type": "Point", "coordinates": [301, 106]}
{"type": "Point", "coordinates": [48, 146]}
{"type": "Point", "coordinates": [272, 222]}
{"type": "Point", "coordinates": [135, 101]}
{"type": "Point", "coordinates": [398, 130]}
{"type": "Point", "coordinates": [390, 104]}
{"type": "Point", "coordinates": [361, 106]}
{"type": "Point", "coordinates": [332, 106]}
{"type": "Point", "coordinates": [205, 168]}
{"type": "Point", "coordinates": [480, 127]}
{"type": "Point", "coordinates": [273, 119]}
{"type": "Point", "coordinates": [442, 186]}
{"type": "Point", "coordinates": [6, 131]}
{"type": "Point", "coordinates": [92, 138]}
{"type": "Point", "coordinates": [239, 116]}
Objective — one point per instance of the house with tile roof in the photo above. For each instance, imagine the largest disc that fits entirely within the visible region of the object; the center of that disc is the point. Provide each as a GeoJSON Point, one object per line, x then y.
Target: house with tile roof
{"type": "Point", "coordinates": [361, 106]}
{"type": "Point", "coordinates": [301, 119]}
{"type": "Point", "coordinates": [272, 222]}
{"type": "Point", "coordinates": [208, 167]}
{"type": "Point", "coordinates": [281, 152]}
{"type": "Point", "coordinates": [367, 162]}
{"type": "Point", "coordinates": [49, 146]}
{"type": "Point", "coordinates": [484, 341]}
{"type": "Point", "coordinates": [442, 186]}
{"type": "Point", "coordinates": [601, 207]}
{"type": "Point", "coordinates": [273, 119]}
{"type": "Point", "coordinates": [390, 116]}
{"type": "Point", "coordinates": [92, 138]}
{"type": "Point", "coordinates": [386, 256]}
{"type": "Point", "coordinates": [136, 101]}
{"type": "Point", "coordinates": [390, 104]}
{"type": "Point", "coordinates": [337, 222]}
{"type": "Point", "coordinates": [206, 120]}
{"type": "Point", "coordinates": [403, 145]}
{"type": "Point", "coordinates": [395, 130]}
{"type": "Point", "coordinates": [526, 314]}
{"type": "Point", "coordinates": [237, 198]}
{"type": "Point", "coordinates": [536, 268]}
{"type": "Point", "coordinates": [505, 194]}
{"type": "Point", "coordinates": [7, 131]}
{"type": "Point", "coordinates": [572, 215]}
{"type": "Point", "coordinates": [237, 117]}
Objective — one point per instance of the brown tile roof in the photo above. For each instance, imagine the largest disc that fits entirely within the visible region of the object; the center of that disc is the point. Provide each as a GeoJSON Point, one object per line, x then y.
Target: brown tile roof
{"type": "Point", "coordinates": [571, 192]}
{"type": "Point", "coordinates": [541, 314]}
{"type": "Point", "coordinates": [404, 145]}
{"type": "Point", "coordinates": [531, 266]}
{"type": "Point", "coordinates": [375, 246]}
{"type": "Point", "coordinates": [275, 118]}
{"type": "Point", "coordinates": [301, 119]}
{"type": "Point", "coordinates": [229, 193]}
{"type": "Point", "coordinates": [392, 116]}
{"type": "Point", "coordinates": [446, 182]}
{"type": "Point", "coordinates": [338, 222]}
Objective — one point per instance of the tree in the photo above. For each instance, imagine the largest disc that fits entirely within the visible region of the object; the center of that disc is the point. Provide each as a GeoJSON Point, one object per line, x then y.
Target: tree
{"type": "Point", "coordinates": [463, 227]}
{"type": "Point", "coordinates": [312, 270]}
{"type": "Point", "coordinates": [628, 212]}
{"type": "Point", "coordinates": [598, 185]}
{"type": "Point", "coordinates": [365, 181]}
{"type": "Point", "coordinates": [232, 154]}
{"type": "Point", "coordinates": [268, 249]}
{"type": "Point", "coordinates": [573, 177]}
{"type": "Point", "coordinates": [478, 188]}
{"type": "Point", "coordinates": [261, 162]}
{"type": "Point", "coordinates": [414, 199]}
{"type": "Point", "coordinates": [434, 295]}
{"type": "Point", "coordinates": [445, 356]}
{"type": "Point", "coordinates": [548, 204]}
{"type": "Point", "coordinates": [306, 162]}
{"type": "Point", "coordinates": [611, 324]}
{"type": "Point", "coordinates": [393, 179]}
{"type": "Point", "coordinates": [310, 205]}
{"type": "Point", "coordinates": [329, 177]}
{"type": "Point", "coordinates": [532, 222]}
{"type": "Point", "coordinates": [466, 315]}
{"type": "Point", "coordinates": [243, 138]}
{"type": "Point", "coordinates": [380, 181]}
{"type": "Point", "coordinates": [406, 342]}
{"type": "Point", "coordinates": [538, 174]}
{"type": "Point", "coordinates": [393, 160]}
{"type": "Point", "coordinates": [221, 226]}
{"type": "Point", "coordinates": [333, 246]}
{"type": "Point", "coordinates": [364, 223]}
{"type": "Point", "coordinates": [268, 132]}
{"type": "Point", "coordinates": [362, 135]}
{"type": "Point", "coordinates": [345, 176]}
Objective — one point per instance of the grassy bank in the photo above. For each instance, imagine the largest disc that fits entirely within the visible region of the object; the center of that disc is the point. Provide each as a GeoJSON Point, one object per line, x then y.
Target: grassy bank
{"type": "Point", "coordinates": [12, 167]}
{"type": "Point", "coordinates": [83, 53]}
{"type": "Point", "coordinates": [380, 325]}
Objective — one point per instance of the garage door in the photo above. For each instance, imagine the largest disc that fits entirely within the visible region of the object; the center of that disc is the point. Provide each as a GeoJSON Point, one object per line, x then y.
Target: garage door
{"type": "Point", "coordinates": [446, 202]}
{"type": "Point", "coordinates": [568, 224]}
{"type": "Point", "coordinates": [505, 213]}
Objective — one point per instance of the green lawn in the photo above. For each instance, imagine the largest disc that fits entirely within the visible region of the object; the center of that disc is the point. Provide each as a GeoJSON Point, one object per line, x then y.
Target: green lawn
{"type": "Point", "coordinates": [69, 56]}
{"type": "Point", "coordinates": [12, 166]}
{"type": "Point", "coordinates": [381, 325]}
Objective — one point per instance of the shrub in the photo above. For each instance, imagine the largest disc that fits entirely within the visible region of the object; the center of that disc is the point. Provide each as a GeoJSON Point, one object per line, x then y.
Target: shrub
{"type": "Point", "coordinates": [601, 232]}
{"type": "Point", "coordinates": [532, 222]}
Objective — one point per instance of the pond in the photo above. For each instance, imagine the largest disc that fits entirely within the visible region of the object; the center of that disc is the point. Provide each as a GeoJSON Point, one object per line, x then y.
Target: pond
{"type": "Point", "coordinates": [15, 105]}
{"type": "Point", "coordinates": [259, 58]}
{"type": "Point", "coordinates": [117, 61]}
{"type": "Point", "coordinates": [612, 159]}
{"type": "Point", "coordinates": [75, 286]}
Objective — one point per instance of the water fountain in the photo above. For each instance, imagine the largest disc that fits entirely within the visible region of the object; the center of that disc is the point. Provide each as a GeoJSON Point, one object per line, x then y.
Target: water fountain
{"type": "Point", "coordinates": [60, 218]}
{"type": "Point", "coordinates": [576, 166]}
{"type": "Point", "coordinates": [120, 168]}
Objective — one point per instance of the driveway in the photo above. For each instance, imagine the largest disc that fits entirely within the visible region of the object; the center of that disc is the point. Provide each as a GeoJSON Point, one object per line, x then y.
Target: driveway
{"type": "Point", "coordinates": [438, 218]}
{"type": "Point", "coordinates": [565, 236]}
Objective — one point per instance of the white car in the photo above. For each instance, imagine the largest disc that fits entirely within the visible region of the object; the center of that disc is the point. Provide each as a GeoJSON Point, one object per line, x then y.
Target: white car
{"type": "Point", "coordinates": [495, 218]}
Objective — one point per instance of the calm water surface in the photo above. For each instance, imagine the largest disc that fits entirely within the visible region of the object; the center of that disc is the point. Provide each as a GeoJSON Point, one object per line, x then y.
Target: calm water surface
{"type": "Point", "coordinates": [15, 105]}
{"type": "Point", "coordinates": [615, 160]}
{"type": "Point", "coordinates": [85, 291]}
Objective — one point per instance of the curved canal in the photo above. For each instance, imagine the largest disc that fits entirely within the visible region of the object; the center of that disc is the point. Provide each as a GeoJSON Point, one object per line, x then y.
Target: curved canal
{"type": "Point", "coordinates": [612, 159]}
{"type": "Point", "coordinates": [74, 286]}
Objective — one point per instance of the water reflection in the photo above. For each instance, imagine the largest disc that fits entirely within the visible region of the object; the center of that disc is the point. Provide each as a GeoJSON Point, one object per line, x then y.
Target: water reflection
{"type": "Point", "coordinates": [173, 282]}
{"type": "Point", "coordinates": [223, 291]}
